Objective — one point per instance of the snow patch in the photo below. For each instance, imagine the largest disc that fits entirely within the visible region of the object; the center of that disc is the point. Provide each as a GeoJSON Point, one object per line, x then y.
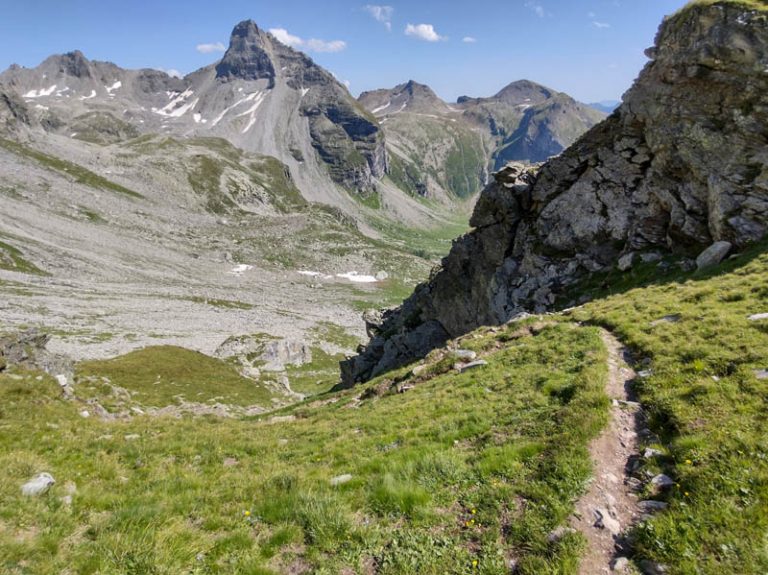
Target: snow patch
{"type": "Point", "coordinates": [351, 276]}
{"type": "Point", "coordinates": [239, 270]}
{"type": "Point", "coordinates": [118, 84]}
{"type": "Point", "coordinates": [40, 93]}
{"type": "Point", "coordinates": [304, 92]}
{"type": "Point", "coordinates": [41, 107]}
{"type": "Point", "coordinates": [197, 118]}
{"type": "Point", "coordinates": [381, 108]}
{"type": "Point", "coordinates": [315, 274]}
{"type": "Point", "coordinates": [91, 95]}
{"type": "Point", "coordinates": [175, 109]}
{"type": "Point", "coordinates": [357, 278]}
{"type": "Point", "coordinates": [59, 93]}
{"type": "Point", "coordinates": [252, 111]}
{"type": "Point", "coordinates": [220, 117]}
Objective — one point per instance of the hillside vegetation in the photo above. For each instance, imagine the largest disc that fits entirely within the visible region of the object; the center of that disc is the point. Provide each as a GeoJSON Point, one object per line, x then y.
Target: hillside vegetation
{"type": "Point", "coordinates": [435, 471]}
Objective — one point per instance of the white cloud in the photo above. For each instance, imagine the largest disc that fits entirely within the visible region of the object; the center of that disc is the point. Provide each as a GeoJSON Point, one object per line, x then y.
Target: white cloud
{"type": "Point", "coordinates": [424, 32]}
{"type": "Point", "coordinates": [381, 14]}
{"type": "Point", "coordinates": [601, 25]}
{"type": "Point", "coordinates": [312, 45]}
{"type": "Point", "coordinates": [209, 48]}
{"type": "Point", "coordinates": [537, 8]}
{"type": "Point", "coordinates": [469, 39]}
{"type": "Point", "coordinates": [173, 73]}
{"type": "Point", "coordinates": [315, 45]}
{"type": "Point", "coordinates": [283, 36]}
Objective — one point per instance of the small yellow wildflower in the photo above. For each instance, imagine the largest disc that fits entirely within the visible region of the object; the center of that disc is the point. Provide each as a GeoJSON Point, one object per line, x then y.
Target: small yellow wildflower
{"type": "Point", "coordinates": [474, 563]}
{"type": "Point", "coordinates": [688, 462]}
{"type": "Point", "coordinates": [686, 494]}
{"type": "Point", "coordinates": [247, 513]}
{"type": "Point", "coordinates": [474, 511]}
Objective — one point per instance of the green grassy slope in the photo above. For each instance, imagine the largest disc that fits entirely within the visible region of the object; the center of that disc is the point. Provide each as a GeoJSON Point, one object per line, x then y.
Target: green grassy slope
{"type": "Point", "coordinates": [164, 375]}
{"type": "Point", "coordinates": [460, 474]}
{"type": "Point", "coordinates": [708, 406]}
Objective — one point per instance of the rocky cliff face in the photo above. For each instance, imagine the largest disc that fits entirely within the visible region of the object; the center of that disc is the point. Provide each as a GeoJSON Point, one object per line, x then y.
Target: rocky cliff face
{"type": "Point", "coordinates": [683, 163]}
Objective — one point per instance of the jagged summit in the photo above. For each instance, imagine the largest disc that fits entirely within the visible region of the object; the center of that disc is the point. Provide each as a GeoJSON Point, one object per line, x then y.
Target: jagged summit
{"type": "Point", "coordinates": [416, 90]}
{"type": "Point", "coordinates": [248, 56]}
{"type": "Point", "coordinates": [72, 63]}
{"type": "Point", "coordinates": [262, 96]}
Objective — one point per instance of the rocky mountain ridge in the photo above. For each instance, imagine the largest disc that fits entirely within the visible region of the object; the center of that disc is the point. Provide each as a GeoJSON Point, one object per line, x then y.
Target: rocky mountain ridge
{"type": "Point", "coordinates": [436, 147]}
{"type": "Point", "coordinates": [679, 167]}
{"type": "Point", "coordinates": [262, 96]}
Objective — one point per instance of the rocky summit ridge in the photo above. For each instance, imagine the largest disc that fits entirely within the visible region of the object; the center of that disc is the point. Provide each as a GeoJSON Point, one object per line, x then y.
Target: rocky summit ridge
{"type": "Point", "coordinates": [678, 170]}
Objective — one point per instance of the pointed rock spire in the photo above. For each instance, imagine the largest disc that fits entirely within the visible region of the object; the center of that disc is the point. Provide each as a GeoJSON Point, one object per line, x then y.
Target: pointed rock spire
{"type": "Point", "coordinates": [247, 57]}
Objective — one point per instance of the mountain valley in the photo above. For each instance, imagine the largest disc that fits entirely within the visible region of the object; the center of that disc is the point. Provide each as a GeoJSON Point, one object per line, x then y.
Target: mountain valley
{"type": "Point", "coordinates": [253, 325]}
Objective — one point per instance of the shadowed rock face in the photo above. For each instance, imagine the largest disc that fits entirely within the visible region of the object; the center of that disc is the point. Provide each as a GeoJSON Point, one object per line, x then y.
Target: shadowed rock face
{"type": "Point", "coordinates": [247, 57]}
{"type": "Point", "coordinates": [681, 164]}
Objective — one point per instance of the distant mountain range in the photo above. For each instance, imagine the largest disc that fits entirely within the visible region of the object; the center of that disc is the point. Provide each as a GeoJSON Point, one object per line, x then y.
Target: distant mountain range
{"type": "Point", "coordinates": [436, 148]}
{"type": "Point", "coordinates": [266, 98]}
{"type": "Point", "coordinates": [606, 106]}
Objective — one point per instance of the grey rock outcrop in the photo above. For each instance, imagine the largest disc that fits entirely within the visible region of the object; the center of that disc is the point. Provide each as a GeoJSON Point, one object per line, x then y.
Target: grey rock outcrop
{"type": "Point", "coordinates": [680, 165]}
{"type": "Point", "coordinates": [257, 353]}
{"type": "Point", "coordinates": [247, 57]}
{"type": "Point", "coordinates": [27, 349]}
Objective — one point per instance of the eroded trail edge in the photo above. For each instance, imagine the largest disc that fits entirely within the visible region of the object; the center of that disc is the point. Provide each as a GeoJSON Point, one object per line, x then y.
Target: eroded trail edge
{"type": "Point", "coordinates": [610, 506]}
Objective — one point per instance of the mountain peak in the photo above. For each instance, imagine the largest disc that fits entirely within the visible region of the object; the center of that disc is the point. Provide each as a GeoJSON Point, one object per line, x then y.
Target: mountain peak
{"type": "Point", "coordinates": [416, 90]}
{"type": "Point", "coordinates": [247, 57]}
{"type": "Point", "coordinates": [524, 92]}
{"type": "Point", "coordinates": [71, 64]}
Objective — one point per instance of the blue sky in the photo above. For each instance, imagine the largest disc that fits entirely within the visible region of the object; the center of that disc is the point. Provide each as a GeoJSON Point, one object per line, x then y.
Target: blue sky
{"type": "Point", "coordinates": [592, 49]}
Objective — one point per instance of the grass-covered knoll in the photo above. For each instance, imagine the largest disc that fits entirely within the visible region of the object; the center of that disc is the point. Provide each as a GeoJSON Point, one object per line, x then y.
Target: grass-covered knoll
{"type": "Point", "coordinates": [463, 473]}
{"type": "Point", "coordinates": [80, 174]}
{"type": "Point", "coordinates": [163, 375]}
{"type": "Point", "coordinates": [708, 401]}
